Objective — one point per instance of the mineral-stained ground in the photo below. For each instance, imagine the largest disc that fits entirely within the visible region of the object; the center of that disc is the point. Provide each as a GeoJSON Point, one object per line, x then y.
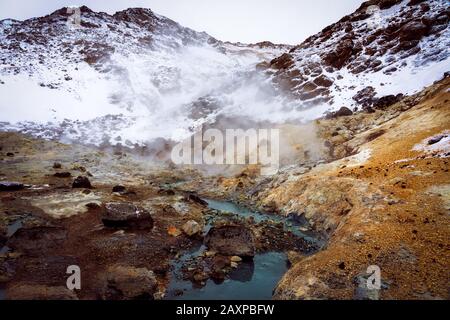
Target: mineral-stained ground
{"type": "Point", "coordinates": [379, 194]}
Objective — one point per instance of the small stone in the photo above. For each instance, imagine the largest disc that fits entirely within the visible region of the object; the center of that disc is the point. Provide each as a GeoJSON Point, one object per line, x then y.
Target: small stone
{"type": "Point", "coordinates": [234, 264]}
{"type": "Point", "coordinates": [173, 231]}
{"type": "Point", "coordinates": [200, 276]}
{"type": "Point", "coordinates": [191, 228]}
{"type": "Point", "coordinates": [119, 188]}
{"type": "Point", "coordinates": [81, 182]}
{"type": "Point", "coordinates": [235, 259]}
{"type": "Point", "coordinates": [57, 165]}
{"type": "Point", "coordinates": [210, 253]}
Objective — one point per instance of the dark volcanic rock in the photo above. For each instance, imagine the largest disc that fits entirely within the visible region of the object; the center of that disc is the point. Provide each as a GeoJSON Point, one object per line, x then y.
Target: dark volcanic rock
{"type": "Point", "coordinates": [57, 165]}
{"type": "Point", "coordinates": [387, 101]}
{"type": "Point", "coordinates": [339, 57]}
{"type": "Point", "coordinates": [62, 174]}
{"type": "Point", "coordinates": [231, 240]}
{"type": "Point", "coordinates": [129, 283]}
{"type": "Point", "coordinates": [194, 198]}
{"type": "Point", "coordinates": [10, 186]}
{"type": "Point", "coordinates": [126, 215]}
{"type": "Point", "coordinates": [118, 188]}
{"type": "Point", "coordinates": [365, 97]}
{"type": "Point", "coordinates": [436, 139]}
{"type": "Point", "coordinates": [81, 182]}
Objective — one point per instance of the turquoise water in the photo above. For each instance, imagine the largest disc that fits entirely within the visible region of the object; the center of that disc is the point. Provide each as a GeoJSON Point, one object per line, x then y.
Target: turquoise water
{"type": "Point", "coordinates": [251, 280]}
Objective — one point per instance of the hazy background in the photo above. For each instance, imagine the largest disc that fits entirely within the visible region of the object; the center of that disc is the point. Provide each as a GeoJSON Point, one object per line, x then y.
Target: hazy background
{"type": "Point", "coordinates": [279, 21]}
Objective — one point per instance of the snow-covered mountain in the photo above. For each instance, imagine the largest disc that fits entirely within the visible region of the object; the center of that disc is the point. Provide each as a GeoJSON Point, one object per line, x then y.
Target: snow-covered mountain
{"type": "Point", "coordinates": [385, 48]}
{"type": "Point", "coordinates": [130, 77]}
{"type": "Point", "coordinates": [136, 76]}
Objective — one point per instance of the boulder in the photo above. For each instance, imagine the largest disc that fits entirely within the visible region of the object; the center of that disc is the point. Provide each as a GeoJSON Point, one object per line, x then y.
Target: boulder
{"type": "Point", "coordinates": [191, 228]}
{"type": "Point", "coordinates": [119, 188]}
{"type": "Point", "coordinates": [414, 30]}
{"type": "Point", "coordinates": [231, 240]}
{"type": "Point", "coordinates": [129, 283]}
{"type": "Point", "coordinates": [81, 182]}
{"type": "Point", "coordinates": [387, 101]}
{"type": "Point", "coordinates": [10, 186]}
{"type": "Point", "coordinates": [126, 215]}
{"type": "Point", "coordinates": [39, 292]}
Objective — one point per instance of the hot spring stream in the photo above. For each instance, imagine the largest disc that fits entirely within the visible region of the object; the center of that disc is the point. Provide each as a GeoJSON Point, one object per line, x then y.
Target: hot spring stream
{"type": "Point", "coordinates": [255, 279]}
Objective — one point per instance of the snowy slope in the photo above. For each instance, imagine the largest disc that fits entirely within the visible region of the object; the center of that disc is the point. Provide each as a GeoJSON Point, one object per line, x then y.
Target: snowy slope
{"type": "Point", "coordinates": [130, 78]}
{"type": "Point", "coordinates": [135, 76]}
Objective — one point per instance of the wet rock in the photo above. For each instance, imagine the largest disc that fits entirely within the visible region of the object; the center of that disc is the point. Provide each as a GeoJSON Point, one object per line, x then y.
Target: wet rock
{"type": "Point", "coordinates": [191, 228]}
{"type": "Point", "coordinates": [231, 240]}
{"type": "Point", "coordinates": [11, 186]}
{"type": "Point", "coordinates": [126, 215]}
{"type": "Point", "coordinates": [219, 267]}
{"type": "Point", "coordinates": [235, 259]}
{"type": "Point", "coordinates": [194, 198]}
{"type": "Point", "coordinates": [81, 182]}
{"type": "Point", "coordinates": [200, 276]}
{"type": "Point", "coordinates": [119, 188]}
{"type": "Point", "coordinates": [62, 175]}
{"type": "Point", "coordinates": [129, 283]}
{"type": "Point", "coordinates": [39, 292]}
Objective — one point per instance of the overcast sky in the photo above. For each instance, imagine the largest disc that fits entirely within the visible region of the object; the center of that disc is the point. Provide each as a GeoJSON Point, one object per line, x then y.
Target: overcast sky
{"type": "Point", "coordinates": [280, 21]}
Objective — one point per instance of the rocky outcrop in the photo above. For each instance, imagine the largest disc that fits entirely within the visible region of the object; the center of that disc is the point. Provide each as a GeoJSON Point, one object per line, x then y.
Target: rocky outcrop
{"type": "Point", "coordinates": [231, 240]}
{"type": "Point", "coordinates": [81, 182]}
{"type": "Point", "coordinates": [126, 215]}
{"type": "Point", "coordinates": [366, 42]}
